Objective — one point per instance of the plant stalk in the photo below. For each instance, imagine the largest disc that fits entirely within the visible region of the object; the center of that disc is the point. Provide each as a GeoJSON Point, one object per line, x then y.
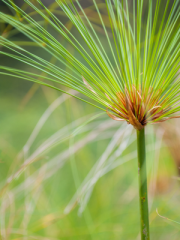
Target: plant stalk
{"type": "Point", "coordinates": [143, 194]}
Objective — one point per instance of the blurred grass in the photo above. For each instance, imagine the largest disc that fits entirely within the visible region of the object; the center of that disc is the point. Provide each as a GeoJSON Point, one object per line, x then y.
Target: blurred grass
{"type": "Point", "coordinates": [36, 211]}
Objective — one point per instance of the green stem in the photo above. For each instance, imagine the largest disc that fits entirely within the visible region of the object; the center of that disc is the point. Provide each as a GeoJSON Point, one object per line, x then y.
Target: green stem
{"type": "Point", "coordinates": [143, 194]}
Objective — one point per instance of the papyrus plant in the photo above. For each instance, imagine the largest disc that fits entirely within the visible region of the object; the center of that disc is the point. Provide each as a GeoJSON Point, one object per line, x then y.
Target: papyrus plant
{"type": "Point", "coordinates": [130, 70]}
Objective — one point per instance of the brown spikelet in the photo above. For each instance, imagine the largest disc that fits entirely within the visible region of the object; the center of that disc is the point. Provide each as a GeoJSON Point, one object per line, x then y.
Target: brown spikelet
{"type": "Point", "coordinates": [138, 109]}
{"type": "Point", "coordinates": [135, 107]}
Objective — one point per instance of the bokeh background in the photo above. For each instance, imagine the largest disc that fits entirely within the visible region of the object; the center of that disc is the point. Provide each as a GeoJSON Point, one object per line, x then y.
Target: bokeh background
{"type": "Point", "coordinates": [67, 173]}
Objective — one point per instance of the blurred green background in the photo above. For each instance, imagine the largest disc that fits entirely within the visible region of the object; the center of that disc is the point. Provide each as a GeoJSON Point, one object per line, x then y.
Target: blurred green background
{"type": "Point", "coordinates": [48, 147]}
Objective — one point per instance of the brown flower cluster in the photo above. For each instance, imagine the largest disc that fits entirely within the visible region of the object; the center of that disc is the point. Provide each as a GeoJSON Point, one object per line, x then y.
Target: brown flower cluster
{"type": "Point", "coordinates": [138, 109]}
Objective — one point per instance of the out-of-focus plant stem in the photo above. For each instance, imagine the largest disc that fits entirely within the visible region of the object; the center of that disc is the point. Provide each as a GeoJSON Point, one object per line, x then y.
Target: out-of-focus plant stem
{"type": "Point", "coordinates": [143, 194]}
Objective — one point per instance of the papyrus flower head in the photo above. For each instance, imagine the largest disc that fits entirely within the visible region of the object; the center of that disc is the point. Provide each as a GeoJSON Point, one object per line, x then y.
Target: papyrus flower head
{"type": "Point", "coordinates": [138, 107]}
{"type": "Point", "coordinates": [129, 61]}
